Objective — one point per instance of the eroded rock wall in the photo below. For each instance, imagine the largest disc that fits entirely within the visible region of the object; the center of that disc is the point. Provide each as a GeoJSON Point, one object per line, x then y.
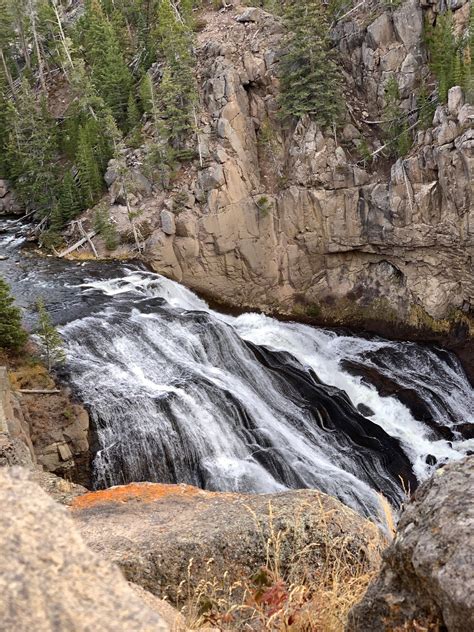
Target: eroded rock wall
{"type": "Point", "coordinates": [276, 218]}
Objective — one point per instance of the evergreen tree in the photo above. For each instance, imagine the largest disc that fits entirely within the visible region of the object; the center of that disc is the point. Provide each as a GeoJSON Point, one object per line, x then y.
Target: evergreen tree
{"type": "Point", "coordinates": [12, 334]}
{"type": "Point", "coordinates": [69, 199]}
{"type": "Point", "coordinates": [133, 114]}
{"type": "Point", "coordinates": [176, 96]}
{"type": "Point", "coordinates": [110, 75]}
{"type": "Point", "coordinates": [310, 80]}
{"type": "Point", "coordinates": [88, 167]}
{"type": "Point", "coordinates": [442, 46]}
{"type": "Point", "coordinates": [50, 339]}
{"type": "Point", "coordinates": [395, 125]}
{"type": "Point", "coordinates": [3, 127]}
{"type": "Point", "coordinates": [7, 40]}
{"type": "Point", "coordinates": [31, 150]}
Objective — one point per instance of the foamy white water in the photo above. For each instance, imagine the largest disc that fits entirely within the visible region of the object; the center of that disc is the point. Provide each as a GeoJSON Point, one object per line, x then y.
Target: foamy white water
{"type": "Point", "coordinates": [179, 393]}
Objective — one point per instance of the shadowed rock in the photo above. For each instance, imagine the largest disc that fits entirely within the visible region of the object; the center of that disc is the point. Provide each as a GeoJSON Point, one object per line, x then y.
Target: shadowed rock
{"type": "Point", "coordinates": [427, 579]}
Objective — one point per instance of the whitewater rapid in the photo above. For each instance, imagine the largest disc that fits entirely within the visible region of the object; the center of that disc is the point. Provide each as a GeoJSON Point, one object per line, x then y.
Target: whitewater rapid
{"type": "Point", "coordinates": [178, 392]}
{"type": "Point", "coordinates": [181, 393]}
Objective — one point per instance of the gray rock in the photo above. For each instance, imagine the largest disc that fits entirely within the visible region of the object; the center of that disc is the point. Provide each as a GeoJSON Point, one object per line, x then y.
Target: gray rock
{"type": "Point", "coordinates": [252, 14]}
{"type": "Point", "coordinates": [167, 222]}
{"type": "Point", "coordinates": [380, 33]}
{"type": "Point", "coordinates": [4, 188]}
{"type": "Point", "coordinates": [408, 23]}
{"type": "Point", "coordinates": [112, 172]}
{"type": "Point", "coordinates": [49, 579]}
{"type": "Point", "coordinates": [428, 571]}
{"type": "Point", "coordinates": [153, 531]}
{"type": "Point", "coordinates": [455, 100]}
{"type": "Point", "coordinates": [211, 178]}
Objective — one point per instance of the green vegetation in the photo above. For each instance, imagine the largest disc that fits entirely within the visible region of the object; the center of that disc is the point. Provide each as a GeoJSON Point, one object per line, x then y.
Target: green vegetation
{"type": "Point", "coordinates": [310, 80]}
{"type": "Point", "coordinates": [264, 205]}
{"type": "Point", "coordinates": [105, 228]}
{"type": "Point", "coordinates": [102, 65]}
{"type": "Point", "coordinates": [51, 341]}
{"type": "Point", "coordinates": [12, 334]}
{"type": "Point", "coordinates": [451, 57]}
{"type": "Point", "coordinates": [395, 127]}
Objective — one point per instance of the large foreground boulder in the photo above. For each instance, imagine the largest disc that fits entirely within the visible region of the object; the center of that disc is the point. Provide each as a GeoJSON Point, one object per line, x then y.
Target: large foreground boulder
{"type": "Point", "coordinates": [427, 578]}
{"type": "Point", "coordinates": [163, 535]}
{"type": "Point", "coordinates": [49, 579]}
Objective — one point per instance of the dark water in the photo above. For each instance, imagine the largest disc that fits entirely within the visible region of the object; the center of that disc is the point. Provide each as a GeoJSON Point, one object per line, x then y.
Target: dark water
{"type": "Point", "coordinates": [181, 393]}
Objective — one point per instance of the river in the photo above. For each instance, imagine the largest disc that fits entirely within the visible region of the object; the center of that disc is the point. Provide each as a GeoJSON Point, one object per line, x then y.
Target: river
{"type": "Point", "coordinates": [178, 392]}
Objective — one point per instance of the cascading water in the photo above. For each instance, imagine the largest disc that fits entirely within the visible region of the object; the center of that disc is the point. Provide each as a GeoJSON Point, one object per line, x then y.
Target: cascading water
{"type": "Point", "coordinates": [181, 393]}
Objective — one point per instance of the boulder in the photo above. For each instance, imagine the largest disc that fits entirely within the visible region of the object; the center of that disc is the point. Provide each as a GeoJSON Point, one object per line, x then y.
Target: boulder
{"type": "Point", "coordinates": [252, 14]}
{"type": "Point", "coordinates": [380, 33]}
{"type": "Point", "coordinates": [455, 100]}
{"type": "Point", "coordinates": [49, 579]}
{"type": "Point", "coordinates": [167, 222]}
{"type": "Point", "coordinates": [427, 577]}
{"type": "Point", "coordinates": [153, 531]}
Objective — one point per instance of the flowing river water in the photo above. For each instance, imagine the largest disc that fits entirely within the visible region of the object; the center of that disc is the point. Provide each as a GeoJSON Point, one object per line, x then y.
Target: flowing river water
{"type": "Point", "coordinates": [178, 392]}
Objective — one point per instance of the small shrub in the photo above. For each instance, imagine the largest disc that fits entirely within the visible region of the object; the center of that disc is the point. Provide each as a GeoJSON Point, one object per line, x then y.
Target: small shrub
{"type": "Point", "coordinates": [264, 205]}
{"type": "Point", "coordinates": [105, 228]}
{"type": "Point", "coordinates": [12, 334]}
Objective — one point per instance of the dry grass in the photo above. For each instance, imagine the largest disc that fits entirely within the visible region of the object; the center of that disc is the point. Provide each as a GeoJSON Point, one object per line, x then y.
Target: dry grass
{"type": "Point", "coordinates": [310, 588]}
{"type": "Point", "coordinates": [32, 375]}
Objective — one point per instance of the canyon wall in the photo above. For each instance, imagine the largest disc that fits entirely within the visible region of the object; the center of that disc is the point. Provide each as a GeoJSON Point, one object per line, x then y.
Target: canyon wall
{"type": "Point", "coordinates": [302, 220]}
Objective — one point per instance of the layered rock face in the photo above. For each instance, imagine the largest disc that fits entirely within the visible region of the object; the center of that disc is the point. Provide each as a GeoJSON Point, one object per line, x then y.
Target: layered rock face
{"type": "Point", "coordinates": [8, 203]}
{"type": "Point", "coordinates": [298, 219]}
{"type": "Point", "coordinates": [44, 429]}
{"type": "Point", "coordinates": [427, 578]}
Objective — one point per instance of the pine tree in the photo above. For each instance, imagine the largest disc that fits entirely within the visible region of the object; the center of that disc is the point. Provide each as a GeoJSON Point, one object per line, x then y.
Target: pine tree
{"type": "Point", "coordinates": [395, 126]}
{"type": "Point", "coordinates": [110, 75]}
{"type": "Point", "coordinates": [32, 150]}
{"type": "Point", "coordinates": [12, 334]}
{"type": "Point", "coordinates": [176, 96]}
{"type": "Point", "coordinates": [310, 80]}
{"type": "Point", "coordinates": [69, 199]}
{"type": "Point", "coordinates": [133, 114]}
{"type": "Point", "coordinates": [88, 167]}
{"type": "Point", "coordinates": [442, 47]}
{"type": "Point", "coordinates": [468, 58]}
{"type": "Point", "coordinates": [49, 337]}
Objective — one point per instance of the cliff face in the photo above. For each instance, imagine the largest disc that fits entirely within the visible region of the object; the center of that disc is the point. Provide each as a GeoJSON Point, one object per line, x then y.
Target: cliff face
{"type": "Point", "coordinates": [297, 220]}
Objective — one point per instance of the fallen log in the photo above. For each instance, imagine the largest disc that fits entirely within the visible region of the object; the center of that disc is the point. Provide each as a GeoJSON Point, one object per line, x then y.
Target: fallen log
{"type": "Point", "coordinates": [39, 391]}
{"type": "Point", "coordinates": [78, 244]}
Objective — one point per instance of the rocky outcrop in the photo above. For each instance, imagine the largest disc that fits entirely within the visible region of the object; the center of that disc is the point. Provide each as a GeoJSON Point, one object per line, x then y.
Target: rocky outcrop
{"type": "Point", "coordinates": [16, 447]}
{"type": "Point", "coordinates": [427, 578]}
{"type": "Point", "coordinates": [55, 428]}
{"type": "Point", "coordinates": [163, 535]}
{"type": "Point", "coordinates": [299, 220]}
{"type": "Point", "coordinates": [50, 580]}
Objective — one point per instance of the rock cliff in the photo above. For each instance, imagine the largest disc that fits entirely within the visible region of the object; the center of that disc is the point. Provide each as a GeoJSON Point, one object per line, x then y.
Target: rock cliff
{"type": "Point", "coordinates": [299, 220]}
{"type": "Point", "coordinates": [46, 429]}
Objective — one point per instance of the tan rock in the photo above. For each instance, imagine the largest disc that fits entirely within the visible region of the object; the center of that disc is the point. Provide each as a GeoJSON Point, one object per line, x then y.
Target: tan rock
{"type": "Point", "coordinates": [50, 580]}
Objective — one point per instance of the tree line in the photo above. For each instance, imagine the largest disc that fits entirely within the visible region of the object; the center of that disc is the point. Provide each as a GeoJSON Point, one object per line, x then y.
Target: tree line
{"type": "Point", "coordinates": [106, 59]}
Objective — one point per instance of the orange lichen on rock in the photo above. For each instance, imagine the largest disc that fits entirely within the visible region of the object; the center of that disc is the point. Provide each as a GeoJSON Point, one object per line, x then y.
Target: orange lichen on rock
{"type": "Point", "coordinates": [141, 492]}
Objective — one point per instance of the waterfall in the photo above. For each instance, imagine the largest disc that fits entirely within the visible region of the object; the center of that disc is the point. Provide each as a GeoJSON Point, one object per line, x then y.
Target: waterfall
{"type": "Point", "coordinates": [181, 393]}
